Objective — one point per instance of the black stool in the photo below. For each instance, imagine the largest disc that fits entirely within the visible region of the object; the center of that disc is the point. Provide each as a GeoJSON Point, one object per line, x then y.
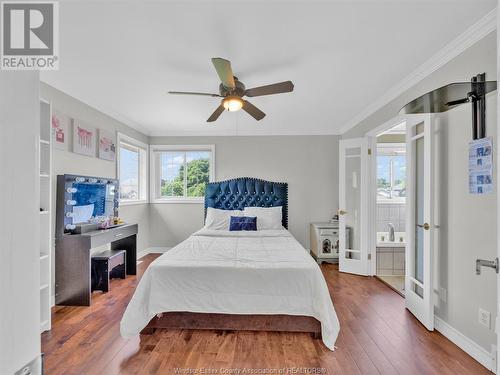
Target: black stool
{"type": "Point", "coordinates": [106, 265]}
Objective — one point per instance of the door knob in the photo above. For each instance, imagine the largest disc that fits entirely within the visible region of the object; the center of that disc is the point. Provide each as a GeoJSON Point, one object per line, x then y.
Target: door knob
{"type": "Point", "coordinates": [426, 226]}
{"type": "Point", "coordinates": [341, 212]}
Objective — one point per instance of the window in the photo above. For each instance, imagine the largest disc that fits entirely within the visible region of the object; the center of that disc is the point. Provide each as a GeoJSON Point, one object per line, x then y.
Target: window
{"type": "Point", "coordinates": [391, 173]}
{"type": "Point", "coordinates": [181, 173]}
{"type": "Point", "coordinates": [132, 170]}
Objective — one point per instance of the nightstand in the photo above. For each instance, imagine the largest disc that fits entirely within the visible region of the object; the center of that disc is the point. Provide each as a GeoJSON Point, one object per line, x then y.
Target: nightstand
{"type": "Point", "coordinates": [325, 241]}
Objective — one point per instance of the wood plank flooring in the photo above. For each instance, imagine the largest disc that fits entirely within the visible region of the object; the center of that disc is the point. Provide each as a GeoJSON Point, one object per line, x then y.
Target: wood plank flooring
{"type": "Point", "coordinates": [377, 336]}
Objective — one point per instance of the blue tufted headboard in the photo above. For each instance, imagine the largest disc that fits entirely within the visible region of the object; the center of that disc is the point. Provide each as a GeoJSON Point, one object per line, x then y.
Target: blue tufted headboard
{"type": "Point", "coordinates": [238, 193]}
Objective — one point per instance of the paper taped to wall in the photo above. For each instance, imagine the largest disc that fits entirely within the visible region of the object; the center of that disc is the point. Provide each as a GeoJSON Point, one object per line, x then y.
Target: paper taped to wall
{"type": "Point", "coordinates": [481, 166]}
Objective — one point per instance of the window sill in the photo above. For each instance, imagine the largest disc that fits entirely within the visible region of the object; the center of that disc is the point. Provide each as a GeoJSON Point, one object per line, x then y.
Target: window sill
{"type": "Point", "coordinates": [390, 201]}
{"type": "Point", "coordinates": [177, 201]}
{"type": "Point", "coordinates": [133, 203]}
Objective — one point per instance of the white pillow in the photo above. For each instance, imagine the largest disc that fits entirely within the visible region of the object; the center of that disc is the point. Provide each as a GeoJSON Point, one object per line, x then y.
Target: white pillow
{"type": "Point", "coordinates": [219, 219]}
{"type": "Point", "coordinates": [267, 217]}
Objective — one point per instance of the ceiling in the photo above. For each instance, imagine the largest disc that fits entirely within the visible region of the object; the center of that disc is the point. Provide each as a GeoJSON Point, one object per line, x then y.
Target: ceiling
{"type": "Point", "coordinates": [121, 57]}
{"type": "Point", "coordinates": [398, 129]}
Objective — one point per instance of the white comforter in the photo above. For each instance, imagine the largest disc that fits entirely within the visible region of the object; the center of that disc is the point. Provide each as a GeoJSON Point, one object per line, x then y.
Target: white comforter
{"type": "Point", "coordinates": [263, 272]}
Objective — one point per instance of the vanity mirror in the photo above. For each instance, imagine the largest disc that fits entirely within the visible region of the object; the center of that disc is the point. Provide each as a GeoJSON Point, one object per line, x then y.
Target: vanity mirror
{"type": "Point", "coordinates": [82, 202]}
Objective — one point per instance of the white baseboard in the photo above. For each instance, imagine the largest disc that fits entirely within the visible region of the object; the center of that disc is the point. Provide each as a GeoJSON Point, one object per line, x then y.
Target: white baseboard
{"type": "Point", "coordinates": [467, 345]}
{"type": "Point", "coordinates": [153, 250]}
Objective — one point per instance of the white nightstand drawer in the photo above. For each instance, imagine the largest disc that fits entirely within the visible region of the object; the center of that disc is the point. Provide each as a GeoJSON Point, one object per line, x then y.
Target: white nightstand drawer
{"type": "Point", "coordinates": [328, 231]}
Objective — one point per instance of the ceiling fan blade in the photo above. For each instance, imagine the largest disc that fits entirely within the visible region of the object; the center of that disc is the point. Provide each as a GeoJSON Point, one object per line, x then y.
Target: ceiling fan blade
{"type": "Point", "coordinates": [275, 88]}
{"type": "Point", "coordinates": [223, 69]}
{"type": "Point", "coordinates": [253, 111]}
{"type": "Point", "coordinates": [193, 93]}
{"type": "Point", "coordinates": [216, 113]}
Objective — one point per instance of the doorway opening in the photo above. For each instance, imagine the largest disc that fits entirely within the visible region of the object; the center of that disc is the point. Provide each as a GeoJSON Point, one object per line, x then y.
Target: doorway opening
{"type": "Point", "coordinates": [409, 180]}
{"type": "Point", "coordinates": [390, 235]}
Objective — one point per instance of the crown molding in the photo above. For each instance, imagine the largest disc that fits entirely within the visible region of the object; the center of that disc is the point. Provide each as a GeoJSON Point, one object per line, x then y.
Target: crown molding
{"type": "Point", "coordinates": [472, 35]}
{"type": "Point", "coordinates": [237, 133]}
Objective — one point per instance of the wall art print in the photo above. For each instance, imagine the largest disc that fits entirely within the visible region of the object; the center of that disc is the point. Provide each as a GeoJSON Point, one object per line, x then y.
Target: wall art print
{"type": "Point", "coordinates": [107, 145]}
{"type": "Point", "coordinates": [60, 130]}
{"type": "Point", "coordinates": [84, 138]}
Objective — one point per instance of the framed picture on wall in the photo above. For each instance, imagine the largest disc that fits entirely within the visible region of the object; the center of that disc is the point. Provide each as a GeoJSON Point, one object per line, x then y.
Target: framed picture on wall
{"type": "Point", "coordinates": [60, 129]}
{"type": "Point", "coordinates": [84, 138]}
{"type": "Point", "coordinates": [107, 145]}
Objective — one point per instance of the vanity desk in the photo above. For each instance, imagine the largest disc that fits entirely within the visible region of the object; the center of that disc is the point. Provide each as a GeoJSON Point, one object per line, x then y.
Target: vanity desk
{"type": "Point", "coordinates": [73, 260]}
{"type": "Point", "coordinates": [80, 200]}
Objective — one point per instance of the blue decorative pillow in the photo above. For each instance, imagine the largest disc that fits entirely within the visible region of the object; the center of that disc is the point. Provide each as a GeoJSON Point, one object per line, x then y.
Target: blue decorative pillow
{"type": "Point", "coordinates": [243, 223]}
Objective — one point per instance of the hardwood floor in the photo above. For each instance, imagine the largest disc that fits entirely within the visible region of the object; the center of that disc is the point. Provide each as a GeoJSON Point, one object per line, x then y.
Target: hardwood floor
{"type": "Point", "coordinates": [377, 336]}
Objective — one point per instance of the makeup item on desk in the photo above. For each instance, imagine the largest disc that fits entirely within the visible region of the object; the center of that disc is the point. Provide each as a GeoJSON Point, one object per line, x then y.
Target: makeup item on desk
{"type": "Point", "coordinates": [103, 222]}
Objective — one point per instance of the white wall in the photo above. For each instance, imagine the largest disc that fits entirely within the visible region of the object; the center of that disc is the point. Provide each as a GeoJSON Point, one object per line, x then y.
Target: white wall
{"type": "Point", "coordinates": [467, 228]}
{"type": "Point", "coordinates": [309, 164]}
{"type": "Point", "coordinates": [71, 163]}
{"type": "Point", "coordinates": [467, 223]}
{"type": "Point", "coordinates": [19, 225]}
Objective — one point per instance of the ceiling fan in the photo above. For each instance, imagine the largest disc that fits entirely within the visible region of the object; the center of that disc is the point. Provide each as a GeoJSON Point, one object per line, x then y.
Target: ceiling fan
{"type": "Point", "coordinates": [232, 90]}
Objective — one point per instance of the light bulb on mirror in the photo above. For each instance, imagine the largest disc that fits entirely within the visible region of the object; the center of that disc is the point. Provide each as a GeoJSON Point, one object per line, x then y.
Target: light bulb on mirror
{"type": "Point", "coordinates": [71, 190]}
{"type": "Point", "coordinates": [70, 202]}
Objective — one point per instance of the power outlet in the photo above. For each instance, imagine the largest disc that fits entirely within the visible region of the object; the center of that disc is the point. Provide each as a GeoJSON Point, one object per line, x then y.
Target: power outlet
{"type": "Point", "coordinates": [443, 295]}
{"type": "Point", "coordinates": [485, 318]}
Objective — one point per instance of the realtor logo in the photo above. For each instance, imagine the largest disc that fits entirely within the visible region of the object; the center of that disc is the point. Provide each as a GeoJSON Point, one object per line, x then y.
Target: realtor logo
{"type": "Point", "coordinates": [29, 35]}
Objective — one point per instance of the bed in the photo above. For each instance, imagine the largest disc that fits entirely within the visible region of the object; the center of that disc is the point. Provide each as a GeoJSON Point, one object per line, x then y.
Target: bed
{"type": "Point", "coordinates": [243, 280]}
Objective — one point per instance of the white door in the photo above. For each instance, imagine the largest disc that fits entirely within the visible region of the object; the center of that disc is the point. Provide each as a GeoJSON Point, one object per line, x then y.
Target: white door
{"type": "Point", "coordinates": [420, 225]}
{"type": "Point", "coordinates": [353, 216]}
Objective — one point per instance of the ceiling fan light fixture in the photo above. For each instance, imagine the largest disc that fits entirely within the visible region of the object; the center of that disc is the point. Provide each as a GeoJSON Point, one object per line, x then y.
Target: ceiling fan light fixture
{"type": "Point", "coordinates": [232, 103]}
{"type": "Point", "coordinates": [232, 91]}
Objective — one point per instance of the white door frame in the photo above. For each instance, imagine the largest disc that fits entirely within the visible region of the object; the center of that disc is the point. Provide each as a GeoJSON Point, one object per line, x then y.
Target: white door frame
{"type": "Point", "coordinates": [372, 186]}
{"type": "Point", "coordinates": [356, 266]}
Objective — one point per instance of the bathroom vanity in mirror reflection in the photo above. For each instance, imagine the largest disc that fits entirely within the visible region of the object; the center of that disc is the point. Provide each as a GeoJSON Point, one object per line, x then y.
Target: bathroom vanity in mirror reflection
{"type": "Point", "coordinates": [83, 205]}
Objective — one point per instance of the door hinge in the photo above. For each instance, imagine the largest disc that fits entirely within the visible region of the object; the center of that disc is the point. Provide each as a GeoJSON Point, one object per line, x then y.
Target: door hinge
{"type": "Point", "coordinates": [369, 256]}
{"type": "Point", "coordinates": [369, 151]}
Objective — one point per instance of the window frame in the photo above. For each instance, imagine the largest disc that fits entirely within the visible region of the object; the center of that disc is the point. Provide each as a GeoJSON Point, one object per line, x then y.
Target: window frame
{"type": "Point", "coordinates": [155, 171]}
{"type": "Point", "coordinates": [391, 150]}
{"type": "Point", "coordinates": [143, 168]}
